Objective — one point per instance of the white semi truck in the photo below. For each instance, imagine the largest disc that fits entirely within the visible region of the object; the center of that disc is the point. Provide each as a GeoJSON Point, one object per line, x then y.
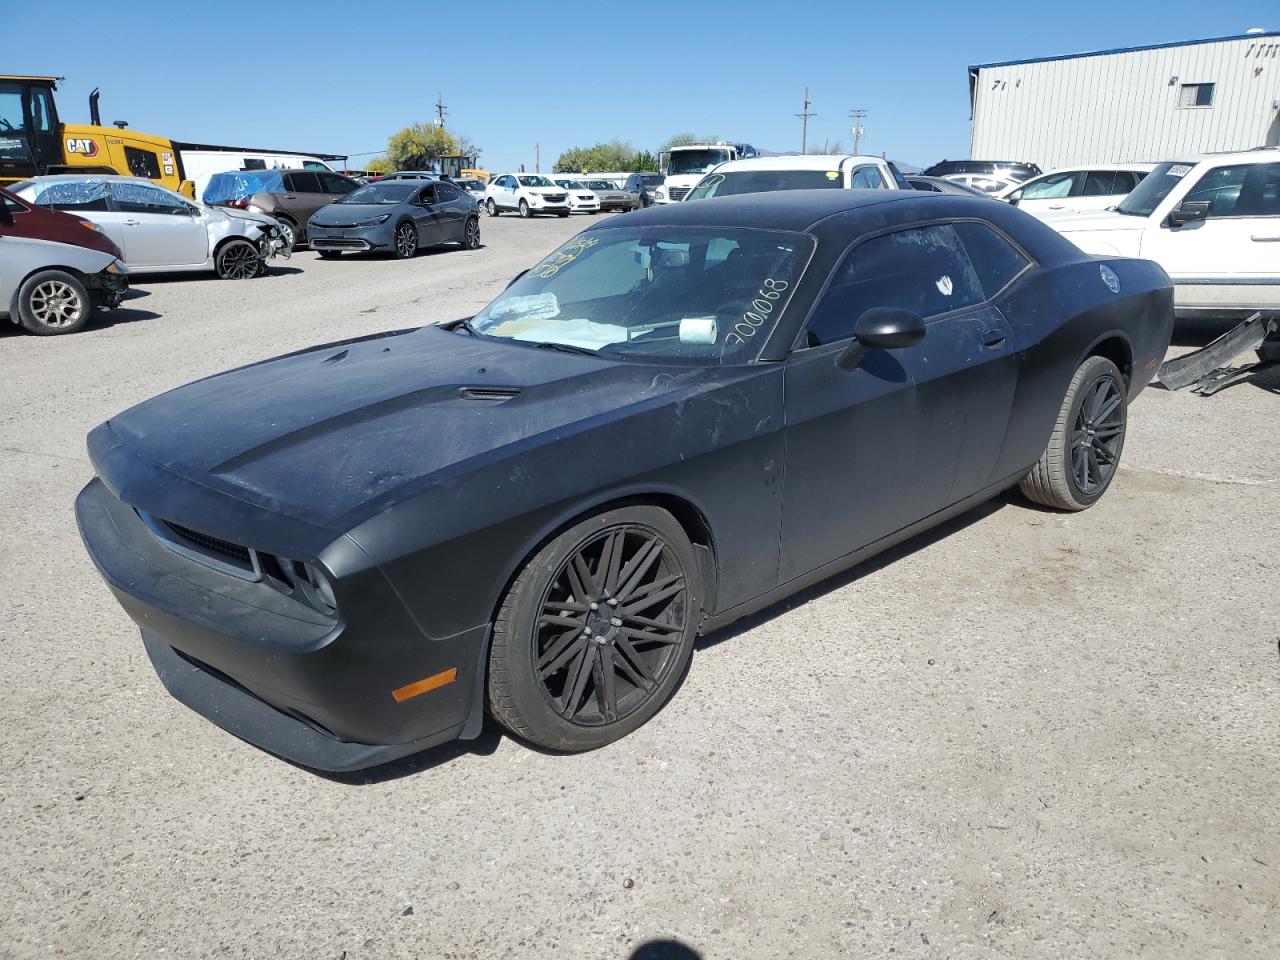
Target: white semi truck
{"type": "Point", "coordinates": [685, 166]}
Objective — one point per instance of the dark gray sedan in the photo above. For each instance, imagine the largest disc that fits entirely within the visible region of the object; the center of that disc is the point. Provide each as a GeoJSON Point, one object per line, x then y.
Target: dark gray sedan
{"type": "Point", "coordinates": [400, 216]}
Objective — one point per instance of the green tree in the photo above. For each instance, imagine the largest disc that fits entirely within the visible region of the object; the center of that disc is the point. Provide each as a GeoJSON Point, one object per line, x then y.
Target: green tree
{"type": "Point", "coordinates": [380, 165]}
{"type": "Point", "coordinates": [413, 148]}
{"type": "Point", "coordinates": [614, 155]}
{"type": "Point", "coordinates": [684, 139]}
{"type": "Point", "coordinates": [645, 162]}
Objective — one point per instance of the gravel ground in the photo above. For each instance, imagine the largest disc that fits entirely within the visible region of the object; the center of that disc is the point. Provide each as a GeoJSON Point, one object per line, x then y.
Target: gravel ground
{"type": "Point", "coordinates": [1025, 734]}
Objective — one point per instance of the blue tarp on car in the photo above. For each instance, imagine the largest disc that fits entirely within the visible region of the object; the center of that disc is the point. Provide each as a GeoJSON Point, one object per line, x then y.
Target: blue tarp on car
{"type": "Point", "coordinates": [242, 183]}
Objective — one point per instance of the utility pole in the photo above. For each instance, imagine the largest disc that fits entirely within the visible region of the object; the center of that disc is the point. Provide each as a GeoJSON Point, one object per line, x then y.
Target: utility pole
{"type": "Point", "coordinates": [804, 116]}
{"type": "Point", "coordinates": [856, 116]}
{"type": "Point", "coordinates": [440, 110]}
{"type": "Point", "coordinates": [537, 158]}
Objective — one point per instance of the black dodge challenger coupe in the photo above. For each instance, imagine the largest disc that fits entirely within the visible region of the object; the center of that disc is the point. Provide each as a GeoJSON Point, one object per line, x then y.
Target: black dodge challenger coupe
{"type": "Point", "coordinates": [345, 555]}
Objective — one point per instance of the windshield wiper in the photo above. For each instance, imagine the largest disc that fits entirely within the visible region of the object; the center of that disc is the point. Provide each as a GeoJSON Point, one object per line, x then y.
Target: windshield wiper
{"type": "Point", "coordinates": [468, 326]}
{"type": "Point", "coordinates": [566, 348]}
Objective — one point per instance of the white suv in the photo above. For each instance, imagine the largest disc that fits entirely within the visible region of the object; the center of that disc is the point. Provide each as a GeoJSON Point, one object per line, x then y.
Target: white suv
{"type": "Point", "coordinates": [762, 174]}
{"type": "Point", "coordinates": [1213, 224]}
{"type": "Point", "coordinates": [1076, 189]}
{"type": "Point", "coordinates": [527, 194]}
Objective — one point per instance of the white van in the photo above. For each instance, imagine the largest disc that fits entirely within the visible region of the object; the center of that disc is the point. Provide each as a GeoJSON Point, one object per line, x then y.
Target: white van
{"type": "Point", "coordinates": [201, 161]}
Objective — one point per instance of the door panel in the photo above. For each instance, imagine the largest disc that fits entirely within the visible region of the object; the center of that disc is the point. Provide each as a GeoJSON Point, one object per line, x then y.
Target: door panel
{"type": "Point", "coordinates": [158, 229]}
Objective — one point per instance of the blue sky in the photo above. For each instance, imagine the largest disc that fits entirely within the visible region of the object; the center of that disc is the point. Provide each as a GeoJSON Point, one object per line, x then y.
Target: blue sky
{"type": "Point", "coordinates": [331, 78]}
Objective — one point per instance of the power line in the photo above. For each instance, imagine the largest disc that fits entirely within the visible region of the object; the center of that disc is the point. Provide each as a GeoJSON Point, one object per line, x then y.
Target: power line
{"type": "Point", "coordinates": [804, 116]}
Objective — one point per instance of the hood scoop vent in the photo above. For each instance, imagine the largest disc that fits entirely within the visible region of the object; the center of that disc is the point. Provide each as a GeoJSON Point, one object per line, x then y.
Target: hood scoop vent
{"type": "Point", "coordinates": [492, 394]}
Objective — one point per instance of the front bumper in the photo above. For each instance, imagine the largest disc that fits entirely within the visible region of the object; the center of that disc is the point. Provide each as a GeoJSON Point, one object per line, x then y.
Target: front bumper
{"type": "Point", "coordinates": [379, 236]}
{"type": "Point", "coordinates": [106, 289]}
{"type": "Point", "coordinates": [315, 690]}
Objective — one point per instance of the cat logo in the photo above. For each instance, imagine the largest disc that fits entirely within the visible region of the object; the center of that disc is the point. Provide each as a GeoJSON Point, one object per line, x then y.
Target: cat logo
{"type": "Point", "coordinates": [84, 146]}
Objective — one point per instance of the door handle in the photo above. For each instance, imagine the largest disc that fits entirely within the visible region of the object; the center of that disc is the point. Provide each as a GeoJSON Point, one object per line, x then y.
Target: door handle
{"type": "Point", "coordinates": [1265, 237]}
{"type": "Point", "coordinates": [993, 337]}
{"type": "Point", "coordinates": [1057, 206]}
{"type": "Point", "coordinates": [131, 223]}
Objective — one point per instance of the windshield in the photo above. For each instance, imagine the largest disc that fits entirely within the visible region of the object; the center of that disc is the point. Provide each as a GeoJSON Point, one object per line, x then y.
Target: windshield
{"type": "Point", "coordinates": [232, 186]}
{"type": "Point", "coordinates": [655, 293]}
{"type": "Point", "coordinates": [760, 181]}
{"type": "Point", "coordinates": [1155, 186]}
{"type": "Point", "coordinates": [695, 161]}
{"type": "Point", "coordinates": [535, 182]}
{"type": "Point", "coordinates": [599, 185]}
{"type": "Point", "coordinates": [653, 180]}
{"type": "Point", "coordinates": [384, 191]}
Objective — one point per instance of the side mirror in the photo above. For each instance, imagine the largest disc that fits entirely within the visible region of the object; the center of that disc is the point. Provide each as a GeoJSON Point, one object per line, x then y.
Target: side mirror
{"type": "Point", "coordinates": [1190, 212]}
{"type": "Point", "coordinates": [884, 328]}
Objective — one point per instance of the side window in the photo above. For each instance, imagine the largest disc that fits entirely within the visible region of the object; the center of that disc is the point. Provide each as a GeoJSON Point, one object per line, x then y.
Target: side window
{"type": "Point", "coordinates": [305, 183]}
{"type": "Point", "coordinates": [1126, 180]}
{"type": "Point", "coordinates": [925, 270]}
{"type": "Point", "coordinates": [447, 192]}
{"type": "Point", "coordinates": [994, 259]}
{"type": "Point", "coordinates": [13, 206]}
{"type": "Point", "coordinates": [142, 163]}
{"type": "Point", "coordinates": [42, 110]}
{"type": "Point", "coordinates": [335, 184]}
{"type": "Point", "coordinates": [427, 196]}
{"type": "Point", "coordinates": [252, 163]}
{"type": "Point", "coordinates": [1099, 183]}
{"type": "Point", "coordinates": [140, 198]}
{"type": "Point", "coordinates": [314, 165]}
{"type": "Point", "coordinates": [1052, 187]}
{"type": "Point", "coordinates": [866, 178]}
{"type": "Point", "coordinates": [74, 196]}
{"type": "Point", "coordinates": [1249, 190]}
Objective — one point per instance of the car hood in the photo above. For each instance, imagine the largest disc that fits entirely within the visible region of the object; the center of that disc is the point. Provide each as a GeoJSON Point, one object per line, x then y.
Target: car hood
{"type": "Point", "coordinates": [332, 435]}
{"type": "Point", "coordinates": [1089, 222]}
{"type": "Point", "coordinates": [234, 213]}
{"type": "Point", "coordinates": [336, 213]}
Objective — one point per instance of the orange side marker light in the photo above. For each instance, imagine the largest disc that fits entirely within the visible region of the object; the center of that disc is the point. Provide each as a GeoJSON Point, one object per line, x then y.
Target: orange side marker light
{"type": "Point", "coordinates": [426, 684]}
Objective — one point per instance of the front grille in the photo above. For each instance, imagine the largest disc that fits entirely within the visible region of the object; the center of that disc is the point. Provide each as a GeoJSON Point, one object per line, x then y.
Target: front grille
{"type": "Point", "coordinates": [338, 243]}
{"type": "Point", "coordinates": [554, 197]}
{"type": "Point", "coordinates": [679, 193]}
{"type": "Point", "coordinates": [224, 549]}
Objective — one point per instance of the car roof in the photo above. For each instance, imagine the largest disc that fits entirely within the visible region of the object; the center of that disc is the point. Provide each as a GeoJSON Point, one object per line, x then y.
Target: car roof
{"type": "Point", "coordinates": [796, 210]}
{"type": "Point", "coordinates": [1087, 167]}
{"type": "Point", "coordinates": [818, 161]}
{"type": "Point", "coordinates": [72, 177]}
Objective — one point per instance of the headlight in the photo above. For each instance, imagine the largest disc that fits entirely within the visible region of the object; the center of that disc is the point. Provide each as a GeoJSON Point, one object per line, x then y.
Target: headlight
{"type": "Point", "coordinates": [376, 220]}
{"type": "Point", "coordinates": [115, 266]}
{"type": "Point", "coordinates": [659, 194]}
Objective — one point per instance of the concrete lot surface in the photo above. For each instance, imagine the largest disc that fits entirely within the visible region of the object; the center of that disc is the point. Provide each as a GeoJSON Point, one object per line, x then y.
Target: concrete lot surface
{"type": "Point", "coordinates": [1024, 735]}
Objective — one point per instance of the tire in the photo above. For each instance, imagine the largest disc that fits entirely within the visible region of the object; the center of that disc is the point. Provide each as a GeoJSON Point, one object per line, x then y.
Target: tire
{"type": "Point", "coordinates": [492, 207]}
{"type": "Point", "coordinates": [237, 260]}
{"type": "Point", "coordinates": [329, 254]}
{"type": "Point", "coordinates": [642, 673]}
{"type": "Point", "coordinates": [53, 302]}
{"type": "Point", "coordinates": [404, 244]}
{"type": "Point", "coordinates": [565, 214]}
{"type": "Point", "coordinates": [471, 234]}
{"type": "Point", "coordinates": [525, 213]}
{"type": "Point", "coordinates": [290, 231]}
{"type": "Point", "coordinates": [1084, 450]}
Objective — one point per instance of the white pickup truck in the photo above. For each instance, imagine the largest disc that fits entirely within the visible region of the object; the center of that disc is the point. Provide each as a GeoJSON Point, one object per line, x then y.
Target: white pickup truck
{"type": "Point", "coordinates": [1213, 224]}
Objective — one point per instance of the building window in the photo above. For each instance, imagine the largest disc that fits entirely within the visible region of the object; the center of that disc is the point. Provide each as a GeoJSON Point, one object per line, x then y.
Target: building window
{"type": "Point", "coordinates": [1196, 95]}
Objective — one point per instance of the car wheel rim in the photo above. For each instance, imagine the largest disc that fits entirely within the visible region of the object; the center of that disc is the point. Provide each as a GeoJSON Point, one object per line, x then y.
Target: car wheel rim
{"type": "Point", "coordinates": [287, 232]}
{"type": "Point", "coordinates": [610, 626]}
{"type": "Point", "coordinates": [240, 262]}
{"type": "Point", "coordinates": [473, 234]}
{"type": "Point", "coordinates": [405, 241]}
{"type": "Point", "coordinates": [1097, 436]}
{"type": "Point", "coordinates": [56, 304]}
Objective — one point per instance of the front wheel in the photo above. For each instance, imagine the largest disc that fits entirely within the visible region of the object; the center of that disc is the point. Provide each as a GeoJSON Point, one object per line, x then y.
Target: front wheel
{"type": "Point", "coordinates": [53, 302]}
{"type": "Point", "coordinates": [524, 209]}
{"type": "Point", "coordinates": [491, 207]}
{"type": "Point", "coordinates": [237, 260]}
{"type": "Point", "coordinates": [596, 631]}
{"type": "Point", "coordinates": [471, 234]}
{"type": "Point", "coordinates": [1084, 450]}
{"type": "Point", "coordinates": [406, 241]}
{"type": "Point", "coordinates": [565, 214]}
{"type": "Point", "coordinates": [289, 231]}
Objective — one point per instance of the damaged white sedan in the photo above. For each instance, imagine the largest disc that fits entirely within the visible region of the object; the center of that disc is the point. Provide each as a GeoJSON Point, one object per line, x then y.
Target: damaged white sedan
{"type": "Point", "coordinates": [160, 230]}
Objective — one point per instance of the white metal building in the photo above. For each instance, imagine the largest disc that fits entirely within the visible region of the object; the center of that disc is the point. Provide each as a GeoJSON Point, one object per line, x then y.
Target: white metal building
{"type": "Point", "coordinates": [1162, 102]}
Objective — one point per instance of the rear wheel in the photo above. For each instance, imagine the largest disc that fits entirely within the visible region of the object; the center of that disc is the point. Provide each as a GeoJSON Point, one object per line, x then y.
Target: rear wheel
{"type": "Point", "coordinates": [491, 207]}
{"type": "Point", "coordinates": [237, 260]}
{"type": "Point", "coordinates": [596, 631]}
{"type": "Point", "coordinates": [406, 241]}
{"type": "Point", "coordinates": [1083, 454]}
{"type": "Point", "coordinates": [471, 234]}
{"type": "Point", "coordinates": [524, 209]}
{"type": "Point", "coordinates": [290, 231]}
{"type": "Point", "coordinates": [53, 302]}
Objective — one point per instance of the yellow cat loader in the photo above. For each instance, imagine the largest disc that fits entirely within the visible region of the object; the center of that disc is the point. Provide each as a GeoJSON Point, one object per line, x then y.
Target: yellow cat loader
{"type": "Point", "coordinates": [33, 141]}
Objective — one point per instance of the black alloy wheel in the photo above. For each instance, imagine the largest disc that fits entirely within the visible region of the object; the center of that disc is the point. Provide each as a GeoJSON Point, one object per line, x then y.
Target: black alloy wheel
{"type": "Point", "coordinates": [406, 241]}
{"type": "Point", "coordinates": [596, 632]}
{"type": "Point", "coordinates": [238, 260]}
{"type": "Point", "coordinates": [1083, 453]}
{"type": "Point", "coordinates": [471, 234]}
